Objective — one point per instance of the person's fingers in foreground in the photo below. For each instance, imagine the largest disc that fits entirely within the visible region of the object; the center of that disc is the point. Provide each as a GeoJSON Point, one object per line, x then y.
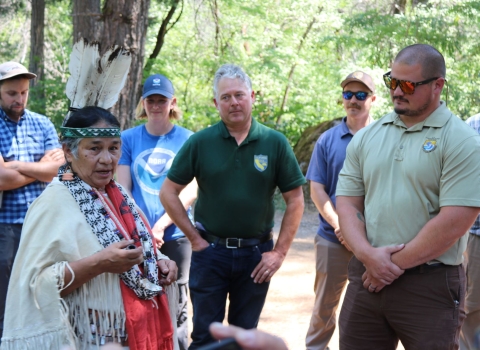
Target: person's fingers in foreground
{"type": "Point", "coordinates": [251, 339]}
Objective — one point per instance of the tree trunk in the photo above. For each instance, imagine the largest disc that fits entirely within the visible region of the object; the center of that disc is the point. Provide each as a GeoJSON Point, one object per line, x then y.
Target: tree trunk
{"type": "Point", "coordinates": [124, 23]}
{"type": "Point", "coordinates": [86, 20]}
{"type": "Point", "coordinates": [399, 7]}
{"type": "Point", "coordinates": [37, 26]}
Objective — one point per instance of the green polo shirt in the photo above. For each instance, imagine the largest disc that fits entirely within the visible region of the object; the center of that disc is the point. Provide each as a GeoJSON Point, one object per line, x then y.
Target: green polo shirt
{"type": "Point", "coordinates": [236, 183]}
{"type": "Point", "coordinates": [408, 174]}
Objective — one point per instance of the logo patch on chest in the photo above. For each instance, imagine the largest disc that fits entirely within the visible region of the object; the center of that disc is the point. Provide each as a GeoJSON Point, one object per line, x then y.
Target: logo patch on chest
{"type": "Point", "coordinates": [430, 145]}
{"type": "Point", "coordinates": [260, 162]}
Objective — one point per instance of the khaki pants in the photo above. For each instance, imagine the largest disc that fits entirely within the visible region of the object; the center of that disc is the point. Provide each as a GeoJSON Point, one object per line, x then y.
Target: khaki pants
{"type": "Point", "coordinates": [330, 279]}
{"type": "Point", "coordinates": [470, 335]}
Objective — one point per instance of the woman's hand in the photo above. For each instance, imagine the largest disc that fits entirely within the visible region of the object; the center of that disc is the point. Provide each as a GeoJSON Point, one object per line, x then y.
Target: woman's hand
{"type": "Point", "coordinates": [117, 258]}
{"type": "Point", "coordinates": [168, 270]}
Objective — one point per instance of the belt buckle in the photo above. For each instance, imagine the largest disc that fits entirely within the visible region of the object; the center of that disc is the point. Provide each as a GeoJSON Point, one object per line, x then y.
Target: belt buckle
{"type": "Point", "coordinates": [227, 243]}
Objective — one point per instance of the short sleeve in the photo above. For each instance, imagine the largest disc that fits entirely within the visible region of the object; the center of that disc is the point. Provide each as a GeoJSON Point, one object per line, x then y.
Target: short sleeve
{"type": "Point", "coordinates": [317, 169]}
{"type": "Point", "coordinates": [182, 170]}
{"type": "Point", "coordinates": [126, 158]}
{"type": "Point", "coordinates": [290, 175]}
{"type": "Point", "coordinates": [461, 174]}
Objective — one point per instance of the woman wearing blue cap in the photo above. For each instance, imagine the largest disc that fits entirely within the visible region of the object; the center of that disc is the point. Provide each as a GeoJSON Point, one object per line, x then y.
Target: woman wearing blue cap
{"type": "Point", "coordinates": [147, 154]}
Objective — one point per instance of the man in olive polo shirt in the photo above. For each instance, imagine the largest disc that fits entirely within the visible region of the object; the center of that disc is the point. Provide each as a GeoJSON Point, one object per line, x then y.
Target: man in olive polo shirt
{"type": "Point", "coordinates": [406, 196]}
{"type": "Point", "coordinates": [238, 163]}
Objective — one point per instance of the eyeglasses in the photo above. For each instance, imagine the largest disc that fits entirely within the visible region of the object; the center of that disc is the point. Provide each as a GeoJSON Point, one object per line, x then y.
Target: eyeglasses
{"type": "Point", "coordinates": [408, 87]}
{"type": "Point", "coordinates": [359, 95]}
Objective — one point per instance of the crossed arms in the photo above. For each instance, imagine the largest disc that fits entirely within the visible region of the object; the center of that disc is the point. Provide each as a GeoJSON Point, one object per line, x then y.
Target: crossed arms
{"type": "Point", "coordinates": [385, 264]}
{"type": "Point", "coordinates": [16, 174]}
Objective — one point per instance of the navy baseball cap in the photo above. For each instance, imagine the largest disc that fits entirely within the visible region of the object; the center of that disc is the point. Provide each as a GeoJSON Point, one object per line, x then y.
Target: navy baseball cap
{"type": "Point", "coordinates": [158, 84]}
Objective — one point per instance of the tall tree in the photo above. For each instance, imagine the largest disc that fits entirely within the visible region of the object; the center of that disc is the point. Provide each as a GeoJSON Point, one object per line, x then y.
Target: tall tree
{"type": "Point", "coordinates": [86, 20]}
{"type": "Point", "coordinates": [122, 22]}
{"type": "Point", "coordinates": [163, 30]}
{"type": "Point", "coordinates": [37, 56]}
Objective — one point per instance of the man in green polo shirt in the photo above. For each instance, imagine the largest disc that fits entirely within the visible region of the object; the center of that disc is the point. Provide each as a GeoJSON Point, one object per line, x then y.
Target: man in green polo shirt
{"type": "Point", "coordinates": [406, 197]}
{"type": "Point", "coordinates": [238, 163]}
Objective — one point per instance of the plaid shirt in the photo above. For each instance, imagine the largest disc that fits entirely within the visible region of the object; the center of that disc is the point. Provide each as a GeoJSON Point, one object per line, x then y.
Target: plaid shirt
{"type": "Point", "coordinates": [474, 122]}
{"type": "Point", "coordinates": [26, 141]}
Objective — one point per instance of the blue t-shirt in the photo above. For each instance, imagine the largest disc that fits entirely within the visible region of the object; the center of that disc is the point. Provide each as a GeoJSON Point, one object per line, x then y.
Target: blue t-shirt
{"type": "Point", "coordinates": [150, 157]}
{"type": "Point", "coordinates": [325, 165]}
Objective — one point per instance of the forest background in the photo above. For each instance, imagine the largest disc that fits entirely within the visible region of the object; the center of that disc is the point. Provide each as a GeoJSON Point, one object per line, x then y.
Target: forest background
{"type": "Point", "coordinates": [295, 51]}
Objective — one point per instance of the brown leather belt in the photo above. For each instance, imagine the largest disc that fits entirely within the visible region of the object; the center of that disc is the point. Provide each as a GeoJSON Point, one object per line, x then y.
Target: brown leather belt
{"type": "Point", "coordinates": [426, 267]}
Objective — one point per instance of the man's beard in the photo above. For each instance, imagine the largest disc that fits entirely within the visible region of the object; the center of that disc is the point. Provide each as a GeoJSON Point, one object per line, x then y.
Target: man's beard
{"type": "Point", "coordinates": [411, 113]}
{"type": "Point", "coordinates": [13, 113]}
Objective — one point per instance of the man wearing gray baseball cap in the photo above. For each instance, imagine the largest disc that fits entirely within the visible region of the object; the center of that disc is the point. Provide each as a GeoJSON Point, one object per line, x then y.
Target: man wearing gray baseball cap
{"type": "Point", "coordinates": [29, 158]}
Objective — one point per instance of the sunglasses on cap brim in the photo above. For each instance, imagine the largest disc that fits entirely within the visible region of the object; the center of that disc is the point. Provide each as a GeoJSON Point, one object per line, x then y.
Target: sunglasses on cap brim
{"type": "Point", "coordinates": [359, 95]}
{"type": "Point", "coordinates": [408, 87]}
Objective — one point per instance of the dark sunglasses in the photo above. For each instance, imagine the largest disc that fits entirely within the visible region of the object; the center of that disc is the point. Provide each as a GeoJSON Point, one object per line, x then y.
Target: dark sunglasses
{"type": "Point", "coordinates": [408, 87]}
{"type": "Point", "coordinates": [359, 95]}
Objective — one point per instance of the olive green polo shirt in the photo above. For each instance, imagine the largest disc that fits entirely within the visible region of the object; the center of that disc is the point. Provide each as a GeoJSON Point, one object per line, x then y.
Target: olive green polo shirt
{"type": "Point", "coordinates": [408, 174]}
{"type": "Point", "coordinates": [236, 183]}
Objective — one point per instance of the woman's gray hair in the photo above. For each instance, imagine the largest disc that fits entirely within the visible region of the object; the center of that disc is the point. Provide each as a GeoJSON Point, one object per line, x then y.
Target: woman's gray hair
{"type": "Point", "coordinates": [72, 144]}
{"type": "Point", "coordinates": [231, 71]}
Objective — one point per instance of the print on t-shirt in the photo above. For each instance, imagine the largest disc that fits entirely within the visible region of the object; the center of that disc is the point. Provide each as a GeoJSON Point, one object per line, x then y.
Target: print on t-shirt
{"type": "Point", "coordinates": [151, 167]}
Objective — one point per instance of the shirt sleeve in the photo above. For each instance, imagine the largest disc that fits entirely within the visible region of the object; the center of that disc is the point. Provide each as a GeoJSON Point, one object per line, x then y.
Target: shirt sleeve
{"type": "Point", "coordinates": [461, 174]}
{"type": "Point", "coordinates": [182, 170]}
{"type": "Point", "coordinates": [317, 169]}
{"type": "Point", "coordinates": [126, 158]}
{"type": "Point", "coordinates": [290, 176]}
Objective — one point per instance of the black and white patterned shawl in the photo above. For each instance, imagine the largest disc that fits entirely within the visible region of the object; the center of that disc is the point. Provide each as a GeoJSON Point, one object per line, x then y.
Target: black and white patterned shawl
{"type": "Point", "coordinates": [145, 285]}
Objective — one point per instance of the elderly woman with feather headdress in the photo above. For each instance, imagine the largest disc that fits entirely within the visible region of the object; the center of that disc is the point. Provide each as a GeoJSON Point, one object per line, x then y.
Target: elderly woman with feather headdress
{"type": "Point", "coordinates": [87, 270]}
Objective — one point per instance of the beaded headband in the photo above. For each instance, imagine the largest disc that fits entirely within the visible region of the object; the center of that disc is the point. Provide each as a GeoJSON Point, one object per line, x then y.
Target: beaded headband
{"type": "Point", "coordinates": [89, 132]}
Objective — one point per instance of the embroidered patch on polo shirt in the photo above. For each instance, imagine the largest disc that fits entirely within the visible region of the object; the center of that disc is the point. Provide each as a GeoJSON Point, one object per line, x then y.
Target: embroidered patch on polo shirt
{"type": "Point", "coordinates": [430, 145]}
{"type": "Point", "coordinates": [260, 162]}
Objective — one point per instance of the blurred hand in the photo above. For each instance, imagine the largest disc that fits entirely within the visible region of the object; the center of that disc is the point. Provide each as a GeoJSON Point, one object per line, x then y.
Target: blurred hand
{"type": "Point", "coordinates": [199, 244]}
{"type": "Point", "coordinates": [116, 259]}
{"type": "Point", "coordinates": [339, 235]}
{"type": "Point", "coordinates": [53, 156]}
{"type": "Point", "coordinates": [380, 266]}
{"type": "Point", "coordinates": [266, 268]}
{"type": "Point", "coordinates": [169, 269]}
{"type": "Point", "coordinates": [158, 233]}
{"type": "Point", "coordinates": [251, 339]}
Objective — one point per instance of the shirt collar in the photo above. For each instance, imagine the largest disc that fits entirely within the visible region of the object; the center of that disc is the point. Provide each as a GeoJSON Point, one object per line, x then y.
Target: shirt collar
{"type": "Point", "coordinates": [437, 119]}
{"type": "Point", "coordinates": [253, 133]}
{"type": "Point", "coordinates": [344, 130]}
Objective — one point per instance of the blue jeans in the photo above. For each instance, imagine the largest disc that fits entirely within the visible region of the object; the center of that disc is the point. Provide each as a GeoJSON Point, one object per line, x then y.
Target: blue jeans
{"type": "Point", "coordinates": [217, 271]}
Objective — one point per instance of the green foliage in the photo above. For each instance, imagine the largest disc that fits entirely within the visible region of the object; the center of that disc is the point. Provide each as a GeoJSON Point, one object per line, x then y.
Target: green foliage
{"type": "Point", "coordinates": [296, 52]}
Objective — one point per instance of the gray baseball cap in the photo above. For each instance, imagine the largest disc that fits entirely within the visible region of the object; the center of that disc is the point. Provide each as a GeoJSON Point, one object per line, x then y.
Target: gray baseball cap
{"type": "Point", "coordinates": [12, 69]}
{"type": "Point", "coordinates": [361, 77]}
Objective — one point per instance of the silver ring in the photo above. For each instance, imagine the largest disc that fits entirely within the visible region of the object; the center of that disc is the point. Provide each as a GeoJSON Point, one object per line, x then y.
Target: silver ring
{"type": "Point", "coordinates": [267, 271]}
{"type": "Point", "coordinates": [373, 287]}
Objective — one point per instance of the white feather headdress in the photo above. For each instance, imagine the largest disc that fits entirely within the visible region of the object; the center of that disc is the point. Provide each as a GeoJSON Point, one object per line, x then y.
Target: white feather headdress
{"type": "Point", "coordinates": [94, 80]}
